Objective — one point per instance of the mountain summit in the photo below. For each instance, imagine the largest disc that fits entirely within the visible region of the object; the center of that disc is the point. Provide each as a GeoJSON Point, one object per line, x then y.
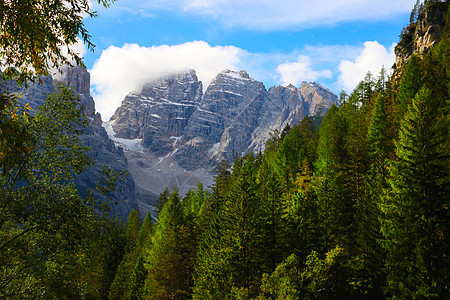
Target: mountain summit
{"type": "Point", "coordinates": [174, 134]}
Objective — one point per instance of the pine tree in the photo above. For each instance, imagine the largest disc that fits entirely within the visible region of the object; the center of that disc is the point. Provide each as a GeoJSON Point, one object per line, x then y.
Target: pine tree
{"type": "Point", "coordinates": [162, 199]}
{"type": "Point", "coordinates": [415, 224]}
{"type": "Point", "coordinates": [301, 216]}
{"type": "Point", "coordinates": [411, 83]}
{"type": "Point", "coordinates": [120, 285]}
{"type": "Point", "coordinates": [145, 231]}
{"type": "Point", "coordinates": [166, 277]}
{"type": "Point", "coordinates": [272, 208]}
{"type": "Point", "coordinates": [137, 280]}
{"type": "Point", "coordinates": [370, 256]}
{"type": "Point", "coordinates": [242, 225]}
{"type": "Point", "coordinates": [210, 280]}
{"type": "Point", "coordinates": [336, 206]}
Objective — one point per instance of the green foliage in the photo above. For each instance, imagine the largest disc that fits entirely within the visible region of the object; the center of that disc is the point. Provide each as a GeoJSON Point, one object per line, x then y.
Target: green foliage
{"type": "Point", "coordinates": [357, 210]}
{"type": "Point", "coordinates": [283, 283]}
{"type": "Point", "coordinates": [410, 84]}
{"type": "Point", "coordinates": [35, 34]}
{"type": "Point", "coordinates": [416, 207]}
{"type": "Point", "coordinates": [295, 147]}
{"type": "Point", "coordinates": [165, 255]}
{"type": "Point", "coordinates": [46, 228]}
{"type": "Point", "coordinates": [345, 213]}
{"type": "Point", "coordinates": [325, 278]}
{"type": "Point", "coordinates": [122, 281]}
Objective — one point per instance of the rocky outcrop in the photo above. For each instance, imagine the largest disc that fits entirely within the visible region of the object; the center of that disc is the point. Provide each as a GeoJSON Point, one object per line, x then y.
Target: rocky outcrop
{"type": "Point", "coordinates": [419, 37]}
{"type": "Point", "coordinates": [79, 80]}
{"type": "Point", "coordinates": [284, 106]}
{"type": "Point", "coordinates": [318, 99]}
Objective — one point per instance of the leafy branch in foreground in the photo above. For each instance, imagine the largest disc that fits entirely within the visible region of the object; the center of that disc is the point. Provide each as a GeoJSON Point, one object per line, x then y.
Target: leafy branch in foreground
{"type": "Point", "coordinates": [46, 228]}
{"type": "Point", "coordinates": [35, 35]}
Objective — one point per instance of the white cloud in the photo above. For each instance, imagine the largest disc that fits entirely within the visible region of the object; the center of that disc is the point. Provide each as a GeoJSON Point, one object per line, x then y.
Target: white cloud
{"type": "Point", "coordinates": [272, 15]}
{"type": "Point", "coordinates": [372, 58]}
{"type": "Point", "coordinates": [296, 72]}
{"type": "Point", "coordinates": [119, 71]}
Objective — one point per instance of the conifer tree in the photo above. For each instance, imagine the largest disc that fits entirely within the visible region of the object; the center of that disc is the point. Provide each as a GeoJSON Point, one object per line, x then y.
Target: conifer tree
{"type": "Point", "coordinates": [411, 83]}
{"type": "Point", "coordinates": [164, 260]}
{"type": "Point", "coordinates": [336, 208]}
{"type": "Point", "coordinates": [210, 280]}
{"type": "Point", "coordinates": [301, 216]}
{"type": "Point", "coordinates": [145, 231]}
{"type": "Point", "coordinates": [272, 217]}
{"type": "Point", "coordinates": [120, 285]}
{"type": "Point", "coordinates": [415, 224]}
{"type": "Point", "coordinates": [242, 224]}
{"type": "Point", "coordinates": [370, 255]}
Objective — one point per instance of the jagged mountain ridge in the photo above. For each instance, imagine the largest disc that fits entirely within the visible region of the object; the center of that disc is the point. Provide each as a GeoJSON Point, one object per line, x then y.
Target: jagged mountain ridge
{"type": "Point", "coordinates": [234, 115]}
{"type": "Point", "coordinates": [173, 134]}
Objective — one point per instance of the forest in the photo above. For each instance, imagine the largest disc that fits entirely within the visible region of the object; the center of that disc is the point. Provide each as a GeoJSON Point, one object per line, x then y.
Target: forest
{"type": "Point", "coordinates": [356, 208]}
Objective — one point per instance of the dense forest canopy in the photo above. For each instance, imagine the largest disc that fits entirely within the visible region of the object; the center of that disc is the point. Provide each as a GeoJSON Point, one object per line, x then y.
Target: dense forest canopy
{"type": "Point", "coordinates": [356, 208]}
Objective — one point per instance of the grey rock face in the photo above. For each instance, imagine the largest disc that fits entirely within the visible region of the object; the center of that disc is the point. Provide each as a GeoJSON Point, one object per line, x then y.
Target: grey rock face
{"type": "Point", "coordinates": [102, 149]}
{"type": "Point", "coordinates": [317, 98]}
{"type": "Point", "coordinates": [426, 33]}
{"type": "Point", "coordinates": [79, 80]}
{"type": "Point", "coordinates": [105, 153]}
{"type": "Point", "coordinates": [284, 106]}
{"type": "Point", "coordinates": [160, 111]}
{"type": "Point", "coordinates": [225, 118]}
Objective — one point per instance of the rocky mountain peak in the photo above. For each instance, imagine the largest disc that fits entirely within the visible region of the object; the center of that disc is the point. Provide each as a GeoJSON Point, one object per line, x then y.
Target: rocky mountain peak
{"type": "Point", "coordinates": [79, 80]}
{"type": "Point", "coordinates": [231, 76]}
{"type": "Point", "coordinates": [292, 87]}
{"type": "Point", "coordinates": [317, 97]}
{"type": "Point", "coordinates": [174, 135]}
{"type": "Point", "coordinates": [244, 74]}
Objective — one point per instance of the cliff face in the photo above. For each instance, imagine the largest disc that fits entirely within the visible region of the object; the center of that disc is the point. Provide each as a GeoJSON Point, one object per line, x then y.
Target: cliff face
{"type": "Point", "coordinates": [159, 112]}
{"type": "Point", "coordinates": [224, 121]}
{"type": "Point", "coordinates": [102, 148]}
{"type": "Point", "coordinates": [420, 36]}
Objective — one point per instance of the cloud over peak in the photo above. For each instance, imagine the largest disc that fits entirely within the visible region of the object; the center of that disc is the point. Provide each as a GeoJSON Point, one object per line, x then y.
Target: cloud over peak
{"type": "Point", "coordinates": [120, 70]}
{"type": "Point", "coordinates": [301, 70]}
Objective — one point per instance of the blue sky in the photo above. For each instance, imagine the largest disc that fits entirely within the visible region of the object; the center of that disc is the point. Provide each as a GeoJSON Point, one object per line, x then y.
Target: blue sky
{"type": "Point", "coordinates": [332, 42]}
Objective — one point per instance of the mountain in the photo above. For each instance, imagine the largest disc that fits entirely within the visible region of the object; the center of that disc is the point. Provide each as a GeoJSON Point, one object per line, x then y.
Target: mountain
{"type": "Point", "coordinates": [173, 134]}
{"type": "Point", "coordinates": [102, 148]}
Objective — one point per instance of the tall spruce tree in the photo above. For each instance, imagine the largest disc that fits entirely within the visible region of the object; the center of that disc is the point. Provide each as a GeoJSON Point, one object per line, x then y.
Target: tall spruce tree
{"type": "Point", "coordinates": [410, 84]}
{"type": "Point", "coordinates": [164, 259]}
{"type": "Point", "coordinates": [120, 285]}
{"type": "Point", "coordinates": [415, 222]}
